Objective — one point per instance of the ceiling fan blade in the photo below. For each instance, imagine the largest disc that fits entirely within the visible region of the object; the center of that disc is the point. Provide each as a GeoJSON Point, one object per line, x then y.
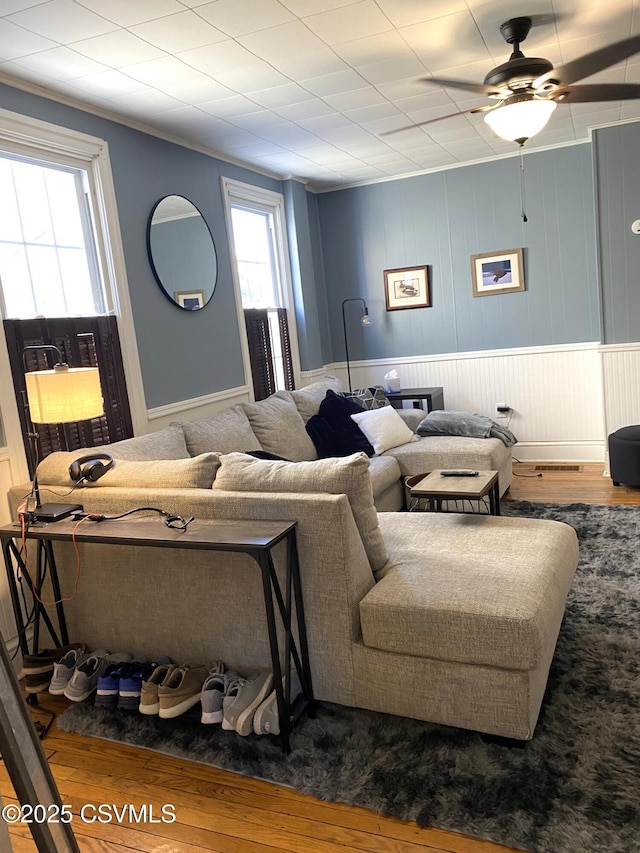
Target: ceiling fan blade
{"type": "Point", "coordinates": [597, 92]}
{"type": "Point", "coordinates": [468, 86]}
{"type": "Point", "coordinates": [440, 118]}
{"type": "Point", "coordinates": [591, 63]}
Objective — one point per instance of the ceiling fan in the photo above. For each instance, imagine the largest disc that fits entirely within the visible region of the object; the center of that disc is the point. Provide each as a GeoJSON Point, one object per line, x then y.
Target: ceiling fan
{"type": "Point", "coordinates": [527, 90]}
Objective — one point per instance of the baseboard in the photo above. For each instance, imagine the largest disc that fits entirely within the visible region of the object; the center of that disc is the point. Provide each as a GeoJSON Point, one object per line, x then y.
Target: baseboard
{"type": "Point", "coordinates": [542, 451]}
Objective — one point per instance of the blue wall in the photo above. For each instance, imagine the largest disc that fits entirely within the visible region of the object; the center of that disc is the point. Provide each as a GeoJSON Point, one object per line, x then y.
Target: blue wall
{"type": "Point", "coordinates": [183, 354]}
{"type": "Point", "coordinates": [616, 155]}
{"type": "Point", "coordinates": [441, 219]}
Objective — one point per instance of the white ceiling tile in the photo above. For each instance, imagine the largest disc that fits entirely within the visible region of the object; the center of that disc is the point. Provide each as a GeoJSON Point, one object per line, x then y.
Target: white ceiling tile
{"type": "Point", "coordinates": [60, 63]}
{"type": "Point", "coordinates": [243, 79]}
{"type": "Point", "coordinates": [226, 56]}
{"type": "Point", "coordinates": [11, 6]}
{"type": "Point", "coordinates": [198, 89]}
{"type": "Point", "coordinates": [403, 13]}
{"type": "Point", "coordinates": [183, 116]}
{"type": "Point", "coordinates": [175, 33]}
{"type": "Point", "coordinates": [307, 65]}
{"type": "Point", "coordinates": [161, 72]}
{"type": "Point", "coordinates": [108, 84]}
{"type": "Point", "coordinates": [332, 84]}
{"type": "Point", "coordinates": [117, 49]}
{"type": "Point", "coordinates": [374, 113]}
{"type": "Point", "coordinates": [447, 42]}
{"type": "Point", "coordinates": [239, 17]}
{"type": "Point", "coordinates": [355, 21]}
{"type": "Point", "coordinates": [279, 96]}
{"type": "Point", "coordinates": [15, 41]}
{"type": "Point", "coordinates": [291, 39]}
{"type": "Point", "coordinates": [126, 13]}
{"type": "Point", "coordinates": [147, 103]}
{"type": "Point", "coordinates": [364, 97]}
{"type": "Point", "coordinates": [318, 124]}
{"type": "Point", "coordinates": [62, 20]}
{"type": "Point", "coordinates": [392, 69]}
{"type": "Point", "coordinates": [364, 51]}
{"type": "Point", "coordinates": [227, 107]}
{"type": "Point", "coordinates": [305, 109]}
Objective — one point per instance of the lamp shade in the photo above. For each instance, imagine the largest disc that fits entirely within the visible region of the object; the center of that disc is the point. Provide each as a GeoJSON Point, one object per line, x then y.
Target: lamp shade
{"type": "Point", "coordinates": [521, 119]}
{"type": "Point", "coordinates": [64, 395]}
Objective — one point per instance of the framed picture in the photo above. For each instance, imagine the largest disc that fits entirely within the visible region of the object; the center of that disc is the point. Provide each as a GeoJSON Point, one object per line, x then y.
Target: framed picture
{"type": "Point", "coordinates": [191, 300]}
{"type": "Point", "coordinates": [407, 288]}
{"type": "Point", "coordinates": [497, 272]}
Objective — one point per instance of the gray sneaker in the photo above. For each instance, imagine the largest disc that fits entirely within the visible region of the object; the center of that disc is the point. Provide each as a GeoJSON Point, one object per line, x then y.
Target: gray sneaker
{"type": "Point", "coordinates": [84, 680]}
{"type": "Point", "coordinates": [149, 701]}
{"type": "Point", "coordinates": [214, 691]}
{"type": "Point", "coordinates": [64, 669]}
{"type": "Point", "coordinates": [181, 690]}
{"type": "Point", "coordinates": [266, 720]}
{"type": "Point", "coordinates": [251, 692]}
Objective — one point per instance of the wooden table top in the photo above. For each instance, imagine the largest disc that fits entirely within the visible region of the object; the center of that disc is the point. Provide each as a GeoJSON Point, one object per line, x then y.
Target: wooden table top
{"type": "Point", "coordinates": [436, 486]}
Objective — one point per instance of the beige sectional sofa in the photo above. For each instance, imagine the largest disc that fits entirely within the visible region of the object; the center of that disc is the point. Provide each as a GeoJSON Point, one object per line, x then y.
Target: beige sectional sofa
{"type": "Point", "coordinates": [449, 618]}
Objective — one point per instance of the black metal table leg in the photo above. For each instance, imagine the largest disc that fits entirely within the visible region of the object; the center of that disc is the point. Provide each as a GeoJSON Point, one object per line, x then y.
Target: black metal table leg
{"type": "Point", "coordinates": [7, 547]}
{"type": "Point", "coordinates": [305, 673]}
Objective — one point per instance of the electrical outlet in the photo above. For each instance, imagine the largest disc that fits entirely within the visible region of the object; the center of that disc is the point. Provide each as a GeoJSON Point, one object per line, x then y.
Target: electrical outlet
{"type": "Point", "coordinates": [503, 411]}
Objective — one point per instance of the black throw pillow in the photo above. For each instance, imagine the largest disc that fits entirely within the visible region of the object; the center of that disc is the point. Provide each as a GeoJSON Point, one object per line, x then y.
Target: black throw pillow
{"type": "Point", "coordinates": [264, 454]}
{"type": "Point", "coordinates": [332, 430]}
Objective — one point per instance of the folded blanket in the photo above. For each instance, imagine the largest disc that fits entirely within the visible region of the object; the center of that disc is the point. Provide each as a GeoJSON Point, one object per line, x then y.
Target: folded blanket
{"type": "Point", "coordinates": [464, 423]}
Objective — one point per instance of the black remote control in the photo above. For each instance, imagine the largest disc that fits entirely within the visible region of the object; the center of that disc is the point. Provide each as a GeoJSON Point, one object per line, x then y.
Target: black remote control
{"type": "Point", "coordinates": [466, 472]}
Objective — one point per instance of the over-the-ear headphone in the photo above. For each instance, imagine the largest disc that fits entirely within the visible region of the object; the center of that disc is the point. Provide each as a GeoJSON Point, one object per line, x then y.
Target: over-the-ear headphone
{"type": "Point", "coordinates": [93, 468]}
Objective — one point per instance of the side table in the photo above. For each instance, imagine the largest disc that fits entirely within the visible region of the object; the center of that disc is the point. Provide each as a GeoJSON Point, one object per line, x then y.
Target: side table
{"type": "Point", "coordinates": [433, 397]}
{"type": "Point", "coordinates": [254, 538]}
{"type": "Point", "coordinates": [434, 488]}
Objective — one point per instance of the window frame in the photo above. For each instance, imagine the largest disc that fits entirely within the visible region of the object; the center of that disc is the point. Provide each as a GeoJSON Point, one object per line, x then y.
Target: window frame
{"type": "Point", "coordinates": [266, 201]}
{"type": "Point", "coordinates": [39, 140]}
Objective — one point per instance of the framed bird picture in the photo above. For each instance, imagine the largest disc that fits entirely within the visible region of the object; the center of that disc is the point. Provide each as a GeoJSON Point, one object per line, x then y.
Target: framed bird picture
{"type": "Point", "coordinates": [497, 272]}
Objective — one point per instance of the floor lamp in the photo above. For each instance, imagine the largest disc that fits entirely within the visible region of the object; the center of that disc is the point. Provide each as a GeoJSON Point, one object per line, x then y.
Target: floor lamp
{"type": "Point", "coordinates": [365, 320]}
{"type": "Point", "coordinates": [58, 396]}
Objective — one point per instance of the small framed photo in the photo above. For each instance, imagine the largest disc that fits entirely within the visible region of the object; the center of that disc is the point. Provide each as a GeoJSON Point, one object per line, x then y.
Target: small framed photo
{"type": "Point", "coordinates": [407, 288]}
{"type": "Point", "coordinates": [190, 300]}
{"type": "Point", "coordinates": [497, 272]}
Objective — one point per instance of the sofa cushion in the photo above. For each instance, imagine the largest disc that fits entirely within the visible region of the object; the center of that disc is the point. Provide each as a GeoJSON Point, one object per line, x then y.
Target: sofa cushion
{"type": "Point", "coordinates": [166, 443]}
{"type": "Point", "coordinates": [384, 472]}
{"type": "Point", "coordinates": [308, 399]}
{"type": "Point", "coordinates": [384, 428]}
{"type": "Point", "coordinates": [225, 432]}
{"type": "Point", "coordinates": [279, 428]}
{"type": "Point", "coordinates": [470, 588]}
{"type": "Point", "coordinates": [191, 473]}
{"type": "Point", "coordinates": [347, 476]}
{"type": "Point", "coordinates": [450, 451]}
{"type": "Point", "coordinates": [332, 430]}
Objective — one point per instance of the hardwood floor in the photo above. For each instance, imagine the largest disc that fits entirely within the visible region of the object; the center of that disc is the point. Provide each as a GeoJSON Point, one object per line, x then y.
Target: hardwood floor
{"type": "Point", "coordinates": [220, 811]}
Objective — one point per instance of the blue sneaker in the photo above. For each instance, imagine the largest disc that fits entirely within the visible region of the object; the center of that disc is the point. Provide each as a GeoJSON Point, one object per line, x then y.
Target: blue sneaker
{"type": "Point", "coordinates": [109, 680]}
{"type": "Point", "coordinates": [134, 673]}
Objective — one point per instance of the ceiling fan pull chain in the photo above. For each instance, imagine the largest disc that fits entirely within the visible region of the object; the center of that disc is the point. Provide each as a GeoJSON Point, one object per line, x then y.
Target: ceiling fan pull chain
{"type": "Point", "coordinates": [522, 196]}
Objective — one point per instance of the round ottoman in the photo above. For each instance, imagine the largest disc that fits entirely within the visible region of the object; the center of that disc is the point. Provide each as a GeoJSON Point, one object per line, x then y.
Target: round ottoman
{"type": "Point", "coordinates": [624, 456]}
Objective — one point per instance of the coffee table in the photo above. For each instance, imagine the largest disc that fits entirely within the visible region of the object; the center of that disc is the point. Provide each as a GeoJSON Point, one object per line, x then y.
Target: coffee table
{"type": "Point", "coordinates": [434, 489]}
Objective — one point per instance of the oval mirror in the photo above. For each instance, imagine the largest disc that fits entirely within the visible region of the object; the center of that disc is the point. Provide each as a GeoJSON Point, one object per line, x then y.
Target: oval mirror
{"type": "Point", "coordinates": [182, 252]}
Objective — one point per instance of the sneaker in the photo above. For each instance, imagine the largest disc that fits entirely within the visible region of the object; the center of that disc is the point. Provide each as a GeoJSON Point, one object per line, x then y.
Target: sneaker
{"type": "Point", "coordinates": [41, 662]}
{"type": "Point", "coordinates": [109, 679]}
{"type": "Point", "coordinates": [181, 690]}
{"type": "Point", "coordinates": [238, 714]}
{"type": "Point", "coordinates": [64, 669]}
{"type": "Point", "coordinates": [149, 702]}
{"type": "Point", "coordinates": [266, 720]}
{"type": "Point", "coordinates": [214, 691]}
{"type": "Point", "coordinates": [134, 673]}
{"type": "Point", "coordinates": [84, 680]}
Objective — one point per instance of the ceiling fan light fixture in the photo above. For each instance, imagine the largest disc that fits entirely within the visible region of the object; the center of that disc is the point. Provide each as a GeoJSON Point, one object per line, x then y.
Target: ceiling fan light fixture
{"type": "Point", "coordinates": [520, 118]}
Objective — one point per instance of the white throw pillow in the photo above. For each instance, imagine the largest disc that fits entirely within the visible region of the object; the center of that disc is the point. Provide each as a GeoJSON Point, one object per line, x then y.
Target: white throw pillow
{"type": "Point", "coordinates": [384, 428]}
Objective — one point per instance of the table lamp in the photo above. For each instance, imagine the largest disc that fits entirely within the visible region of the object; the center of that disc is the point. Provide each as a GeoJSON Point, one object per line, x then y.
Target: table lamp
{"type": "Point", "coordinates": [58, 396]}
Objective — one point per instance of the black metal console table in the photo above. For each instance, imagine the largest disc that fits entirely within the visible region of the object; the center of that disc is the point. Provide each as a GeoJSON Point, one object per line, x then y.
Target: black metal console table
{"type": "Point", "coordinates": [254, 538]}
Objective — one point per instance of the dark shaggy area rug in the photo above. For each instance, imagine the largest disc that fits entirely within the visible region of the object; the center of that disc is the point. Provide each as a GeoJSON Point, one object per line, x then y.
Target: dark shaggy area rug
{"type": "Point", "coordinates": [575, 787]}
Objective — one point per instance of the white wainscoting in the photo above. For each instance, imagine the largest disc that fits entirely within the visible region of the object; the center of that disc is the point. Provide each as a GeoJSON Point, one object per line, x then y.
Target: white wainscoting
{"type": "Point", "coordinates": [621, 379]}
{"type": "Point", "coordinates": [197, 407]}
{"type": "Point", "coordinates": [556, 393]}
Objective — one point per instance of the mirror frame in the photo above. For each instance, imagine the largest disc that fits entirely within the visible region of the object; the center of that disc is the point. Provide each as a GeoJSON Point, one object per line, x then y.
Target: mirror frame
{"type": "Point", "coordinates": [154, 269]}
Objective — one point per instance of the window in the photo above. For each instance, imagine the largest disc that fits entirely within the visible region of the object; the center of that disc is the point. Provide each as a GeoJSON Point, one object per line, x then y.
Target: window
{"type": "Point", "coordinates": [48, 259]}
{"type": "Point", "coordinates": [62, 277]}
{"type": "Point", "coordinates": [256, 220]}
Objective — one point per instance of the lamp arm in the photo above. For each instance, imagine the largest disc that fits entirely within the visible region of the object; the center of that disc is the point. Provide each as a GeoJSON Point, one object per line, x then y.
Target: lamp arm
{"type": "Point", "coordinates": [344, 328]}
{"type": "Point", "coordinates": [41, 347]}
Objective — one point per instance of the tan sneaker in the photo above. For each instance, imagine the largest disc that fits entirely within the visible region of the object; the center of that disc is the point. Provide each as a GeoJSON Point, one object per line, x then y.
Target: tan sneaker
{"type": "Point", "coordinates": [181, 690]}
{"type": "Point", "coordinates": [149, 702]}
